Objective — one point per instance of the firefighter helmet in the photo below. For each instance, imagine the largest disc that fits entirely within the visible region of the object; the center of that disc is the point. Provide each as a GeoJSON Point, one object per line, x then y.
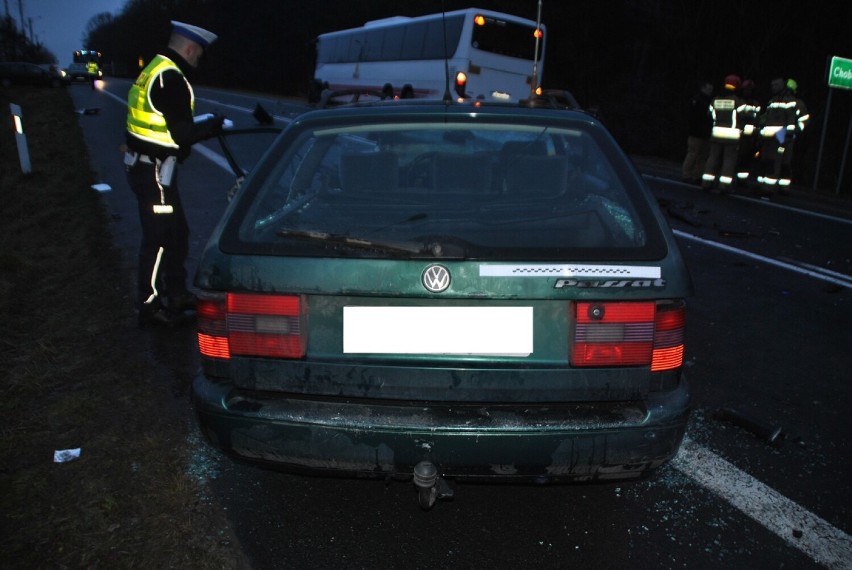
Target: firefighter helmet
{"type": "Point", "coordinates": [732, 82]}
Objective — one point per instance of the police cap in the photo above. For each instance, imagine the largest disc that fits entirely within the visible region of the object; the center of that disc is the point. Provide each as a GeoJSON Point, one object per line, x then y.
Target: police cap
{"type": "Point", "coordinates": [199, 35]}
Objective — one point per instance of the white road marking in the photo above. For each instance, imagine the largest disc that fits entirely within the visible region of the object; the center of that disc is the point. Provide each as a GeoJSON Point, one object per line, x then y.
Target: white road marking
{"type": "Point", "coordinates": [836, 278]}
{"type": "Point", "coordinates": [796, 525]}
{"type": "Point", "coordinates": [792, 209]}
{"type": "Point", "coordinates": [762, 202]}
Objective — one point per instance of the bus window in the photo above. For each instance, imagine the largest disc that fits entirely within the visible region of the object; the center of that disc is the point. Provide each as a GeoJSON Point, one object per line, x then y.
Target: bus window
{"type": "Point", "coordinates": [505, 38]}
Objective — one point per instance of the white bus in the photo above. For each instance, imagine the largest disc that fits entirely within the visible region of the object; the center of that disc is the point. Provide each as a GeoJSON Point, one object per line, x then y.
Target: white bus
{"type": "Point", "coordinates": [478, 54]}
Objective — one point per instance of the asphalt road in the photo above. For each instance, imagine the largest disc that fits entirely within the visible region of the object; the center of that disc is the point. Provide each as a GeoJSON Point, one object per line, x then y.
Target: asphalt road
{"type": "Point", "coordinates": [768, 339]}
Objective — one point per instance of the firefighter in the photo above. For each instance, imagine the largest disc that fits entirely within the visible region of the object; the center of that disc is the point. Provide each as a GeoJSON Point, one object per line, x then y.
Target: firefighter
{"type": "Point", "coordinates": [802, 120]}
{"type": "Point", "coordinates": [779, 123]}
{"type": "Point", "coordinates": [160, 133]}
{"type": "Point", "coordinates": [725, 110]}
{"type": "Point", "coordinates": [748, 119]}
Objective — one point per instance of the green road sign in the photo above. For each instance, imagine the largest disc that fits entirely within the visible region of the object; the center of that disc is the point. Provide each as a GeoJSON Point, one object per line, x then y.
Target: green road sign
{"type": "Point", "coordinates": [840, 73]}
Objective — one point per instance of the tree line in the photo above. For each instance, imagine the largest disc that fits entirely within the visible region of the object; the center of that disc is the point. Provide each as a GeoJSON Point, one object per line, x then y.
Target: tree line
{"type": "Point", "coordinates": [16, 46]}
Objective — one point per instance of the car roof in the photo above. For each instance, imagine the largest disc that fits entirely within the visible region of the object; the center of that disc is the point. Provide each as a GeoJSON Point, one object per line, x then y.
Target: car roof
{"type": "Point", "coordinates": [534, 110]}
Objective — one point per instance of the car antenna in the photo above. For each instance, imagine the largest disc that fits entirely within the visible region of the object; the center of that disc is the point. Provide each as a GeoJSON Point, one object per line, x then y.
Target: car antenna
{"type": "Point", "coordinates": [447, 97]}
{"type": "Point", "coordinates": [538, 34]}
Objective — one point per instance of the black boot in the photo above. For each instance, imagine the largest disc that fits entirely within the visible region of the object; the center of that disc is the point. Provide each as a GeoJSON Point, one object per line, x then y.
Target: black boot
{"type": "Point", "coordinates": [183, 302]}
{"type": "Point", "coordinates": [156, 314]}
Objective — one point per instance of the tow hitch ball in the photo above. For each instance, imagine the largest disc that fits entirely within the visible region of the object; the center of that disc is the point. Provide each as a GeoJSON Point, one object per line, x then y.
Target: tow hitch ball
{"type": "Point", "coordinates": [429, 486]}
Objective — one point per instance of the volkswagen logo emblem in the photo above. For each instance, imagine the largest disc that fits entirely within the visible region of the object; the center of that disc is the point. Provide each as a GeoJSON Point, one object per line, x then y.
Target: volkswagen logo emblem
{"type": "Point", "coordinates": [435, 278]}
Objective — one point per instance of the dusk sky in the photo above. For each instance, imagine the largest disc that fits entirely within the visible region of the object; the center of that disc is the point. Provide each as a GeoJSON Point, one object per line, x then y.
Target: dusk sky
{"type": "Point", "coordinates": [59, 24]}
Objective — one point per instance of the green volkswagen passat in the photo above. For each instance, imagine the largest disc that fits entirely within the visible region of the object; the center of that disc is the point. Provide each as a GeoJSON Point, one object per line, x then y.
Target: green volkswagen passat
{"type": "Point", "coordinates": [440, 292]}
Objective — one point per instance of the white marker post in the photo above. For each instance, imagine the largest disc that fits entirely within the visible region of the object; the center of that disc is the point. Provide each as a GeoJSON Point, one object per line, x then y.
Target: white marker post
{"type": "Point", "coordinates": [21, 139]}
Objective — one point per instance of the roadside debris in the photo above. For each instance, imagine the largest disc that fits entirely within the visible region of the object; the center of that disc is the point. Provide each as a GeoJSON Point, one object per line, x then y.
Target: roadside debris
{"type": "Point", "coordinates": [677, 211]}
{"type": "Point", "coordinates": [66, 455]}
{"type": "Point", "coordinates": [101, 187]}
{"type": "Point", "coordinates": [735, 233]}
{"type": "Point", "coordinates": [773, 435]}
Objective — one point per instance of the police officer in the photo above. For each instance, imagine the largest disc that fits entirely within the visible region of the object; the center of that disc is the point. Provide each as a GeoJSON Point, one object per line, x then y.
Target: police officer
{"type": "Point", "coordinates": [160, 133]}
{"type": "Point", "coordinates": [778, 130]}
{"type": "Point", "coordinates": [94, 71]}
{"type": "Point", "coordinates": [725, 136]}
{"type": "Point", "coordinates": [700, 124]}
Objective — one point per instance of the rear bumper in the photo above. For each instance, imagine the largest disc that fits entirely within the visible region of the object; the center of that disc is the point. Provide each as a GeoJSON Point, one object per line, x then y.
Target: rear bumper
{"type": "Point", "coordinates": [560, 442]}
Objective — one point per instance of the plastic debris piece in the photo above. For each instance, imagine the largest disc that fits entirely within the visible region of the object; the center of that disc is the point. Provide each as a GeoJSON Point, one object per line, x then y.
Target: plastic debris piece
{"type": "Point", "coordinates": [773, 435]}
{"type": "Point", "coordinates": [65, 455]}
{"type": "Point", "coordinates": [101, 187]}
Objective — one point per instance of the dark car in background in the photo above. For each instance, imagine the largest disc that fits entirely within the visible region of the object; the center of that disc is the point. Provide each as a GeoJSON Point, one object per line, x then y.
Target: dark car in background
{"type": "Point", "coordinates": [26, 73]}
{"type": "Point", "coordinates": [432, 292]}
{"type": "Point", "coordinates": [79, 72]}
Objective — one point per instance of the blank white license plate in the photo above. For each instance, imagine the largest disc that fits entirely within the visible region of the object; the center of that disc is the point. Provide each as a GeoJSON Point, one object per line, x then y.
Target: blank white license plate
{"type": "Point", "coordinates": [503, 331]}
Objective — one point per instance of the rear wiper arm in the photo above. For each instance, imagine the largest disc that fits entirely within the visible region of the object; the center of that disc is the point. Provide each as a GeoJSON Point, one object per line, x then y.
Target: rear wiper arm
{"type": "Point", "coordinates": [388, 245]}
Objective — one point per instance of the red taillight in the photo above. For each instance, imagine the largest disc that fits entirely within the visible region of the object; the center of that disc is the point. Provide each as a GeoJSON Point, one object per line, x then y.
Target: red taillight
{"type": "Point", "coordinates": [461, 84]}
{"type": "Point", "coordinates": [643, 333]}
{"type": "Point", "coordinates": [251, 325]}
{"type": "Point", "coordinates": [212, 330]}
{"type": "Point", "coordinates": [669, 323]}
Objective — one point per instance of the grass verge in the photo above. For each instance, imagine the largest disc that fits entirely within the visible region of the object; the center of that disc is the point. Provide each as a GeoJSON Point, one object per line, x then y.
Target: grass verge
{"type": "Point", "coordinates": [73, 377]}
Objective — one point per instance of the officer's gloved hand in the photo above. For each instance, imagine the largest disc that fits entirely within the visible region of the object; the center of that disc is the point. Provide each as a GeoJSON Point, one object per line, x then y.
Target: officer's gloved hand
{"type": "Point", "coordinates": [214, 125]}
{"type": "Point", "coordinates": [208, 126]}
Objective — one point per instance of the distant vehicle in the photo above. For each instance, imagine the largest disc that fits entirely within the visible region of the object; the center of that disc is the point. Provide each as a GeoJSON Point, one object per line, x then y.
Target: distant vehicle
{"type": "Point", "coordinates": [56, 71]}
{"type": "Point", "coordinates": [91, 60]}
{"type": "Point", "coordinates": [423, 291]}
{"type": "Point", "coordinates": [87, 56]}
{"type": "Point", "coordinates": [78, 72]}
{"type": "Point", "coordinates": [488, 55]}
{"type": "Point", "coordinates": [25, 73]}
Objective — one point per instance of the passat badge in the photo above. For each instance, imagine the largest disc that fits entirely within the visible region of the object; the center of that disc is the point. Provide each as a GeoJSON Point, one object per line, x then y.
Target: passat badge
{"type": "Point", "coordinates": [435, 278]}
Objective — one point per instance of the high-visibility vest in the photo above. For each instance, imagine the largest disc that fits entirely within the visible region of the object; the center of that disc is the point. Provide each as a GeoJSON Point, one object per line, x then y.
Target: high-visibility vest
{"type": "Point", "coordinates": [144, 121]}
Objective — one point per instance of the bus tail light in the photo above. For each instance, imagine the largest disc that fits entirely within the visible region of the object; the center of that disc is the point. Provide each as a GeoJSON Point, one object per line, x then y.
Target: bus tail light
{"type": "Point", "coordinates": [461, 83]}
{"type": "Point", "coordinates": [645, 333]}
{"type": "Point", "coordinates": [236, 324]}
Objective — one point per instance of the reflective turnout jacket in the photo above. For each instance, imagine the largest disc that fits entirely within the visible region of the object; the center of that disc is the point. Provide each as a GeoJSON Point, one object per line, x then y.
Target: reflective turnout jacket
{"type": "Point", "coordinates": [780, 115]}
{"type": "Point", "coordinates": [726, 110]}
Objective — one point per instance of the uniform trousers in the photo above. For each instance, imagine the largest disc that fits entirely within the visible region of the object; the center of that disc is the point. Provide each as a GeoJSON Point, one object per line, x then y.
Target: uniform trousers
{"type": "Point", "coordinates": [697, 149]}
{"type": "Point", "coordinates": [165, 235]}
